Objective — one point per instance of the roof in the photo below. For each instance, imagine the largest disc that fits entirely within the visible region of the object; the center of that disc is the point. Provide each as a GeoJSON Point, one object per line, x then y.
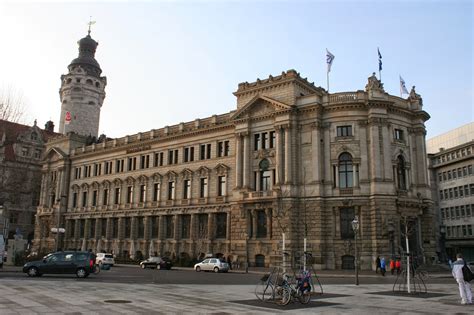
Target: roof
{"type": "Point", "coordinates": [10, 131]}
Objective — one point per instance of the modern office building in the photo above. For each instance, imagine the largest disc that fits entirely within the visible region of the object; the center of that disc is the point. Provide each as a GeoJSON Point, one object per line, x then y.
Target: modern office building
{"type": "Point", "coordinates": [452, 181]}
{"type": "Point", "coordinates": [291, 162]}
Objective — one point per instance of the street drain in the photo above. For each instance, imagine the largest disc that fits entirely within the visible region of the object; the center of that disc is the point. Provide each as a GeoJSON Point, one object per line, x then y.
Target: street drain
{"type": "Point", "coordinates": [118, 301]}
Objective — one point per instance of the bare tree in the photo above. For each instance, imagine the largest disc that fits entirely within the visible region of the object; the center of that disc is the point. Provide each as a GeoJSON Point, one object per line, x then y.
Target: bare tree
{"type": "Point", "coordinates": [12, 105]}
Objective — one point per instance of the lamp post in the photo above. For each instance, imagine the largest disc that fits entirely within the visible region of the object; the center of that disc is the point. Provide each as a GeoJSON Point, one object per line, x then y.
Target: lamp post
{"type": "Point", "coordinates": [57, 229]}
{"type": "Point", "coordinates": [355, 227]}
{"type": "Point", "coordinates": [391, 233]}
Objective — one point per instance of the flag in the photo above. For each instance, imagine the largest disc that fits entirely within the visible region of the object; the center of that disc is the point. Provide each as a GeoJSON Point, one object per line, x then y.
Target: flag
{"type": "Point", "coordinates": [329, 59]}
{"type": "Point", "coordinates": [380, 59]}
{"type": "Point", "coordinates": [403, 88]}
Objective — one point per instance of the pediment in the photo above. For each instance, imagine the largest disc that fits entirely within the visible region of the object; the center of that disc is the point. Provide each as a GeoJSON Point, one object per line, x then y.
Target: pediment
{"type": "Point", "coordinates": [54, 154]}
{"type": "Point", "coordinates": [260, 106]}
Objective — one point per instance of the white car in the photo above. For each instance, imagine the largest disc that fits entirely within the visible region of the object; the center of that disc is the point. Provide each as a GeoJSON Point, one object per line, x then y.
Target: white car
{"type": "Point", "coordinates": [104, 259]}
{"type": "Point", "coordinates": [212, 264]}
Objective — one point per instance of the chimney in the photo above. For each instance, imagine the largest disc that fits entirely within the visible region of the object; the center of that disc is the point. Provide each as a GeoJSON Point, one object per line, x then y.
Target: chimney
{"type": "Point", "coordinates": [49, 126]}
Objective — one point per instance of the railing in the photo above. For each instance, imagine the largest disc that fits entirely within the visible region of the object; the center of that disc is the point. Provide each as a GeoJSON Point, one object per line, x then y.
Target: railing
{"type": "Point", "coordinates": [343, 97]}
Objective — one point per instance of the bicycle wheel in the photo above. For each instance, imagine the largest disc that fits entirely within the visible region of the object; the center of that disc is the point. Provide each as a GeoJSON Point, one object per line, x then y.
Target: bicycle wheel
{"type": "Point", "coordinates": [284, 295]}
{"type": "Point", "coordinates": [304, 297]}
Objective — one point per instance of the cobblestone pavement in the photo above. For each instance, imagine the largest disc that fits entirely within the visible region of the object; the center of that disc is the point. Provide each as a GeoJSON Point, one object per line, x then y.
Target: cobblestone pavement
{"type": "Point", "coordinates": [77, 296]}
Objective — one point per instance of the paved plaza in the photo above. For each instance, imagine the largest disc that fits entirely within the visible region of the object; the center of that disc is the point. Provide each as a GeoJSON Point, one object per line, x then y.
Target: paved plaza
{"type": "Point", "coordinates": [22, 295]}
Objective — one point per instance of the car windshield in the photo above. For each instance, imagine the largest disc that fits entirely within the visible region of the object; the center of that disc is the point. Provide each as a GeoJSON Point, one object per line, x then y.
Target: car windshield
{"type": "Point", "coordinates": [109, 256]}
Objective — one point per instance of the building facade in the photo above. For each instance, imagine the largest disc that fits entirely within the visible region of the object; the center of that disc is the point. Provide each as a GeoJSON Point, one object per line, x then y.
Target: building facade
{"type": "Point", "coordinates": [452, 178]}
{"type": "Point", "coordinates": [21, 149]}
{"type": "Point", "coordinates": [290, 160]}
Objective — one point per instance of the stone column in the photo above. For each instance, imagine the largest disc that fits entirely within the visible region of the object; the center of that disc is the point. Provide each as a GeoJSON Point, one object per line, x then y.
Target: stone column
{"type": "Point", "coordinates": [176, 226]}
{"type": "Point", "coordinates": [134, 228]}
{"type": "Point", "coordinates": [268, 213]}
{"type": "Point", "coordinates": [288, 175]}
{"type": "Point", "coordinates": [121, 228]}
{"type": "Point", "coordinates": [254, 224]}
{"type": "Point", "coordinates": [192, 232]}
{"type": "Point", "coordinates": [336, 174]}
{"type": "Point", "coordinates": [364, 153]}
{"type": "Point", "coordinates": [246, 161]}
{"type": "Point", "coordinates": [210, 226]}
{"type": "Point", "coordinates": [147, 228]}
{"type": "Point", "coordinates": [228, 225]}
{"type": "Point", "coordinates": [316, 156]}
{"type": "Point", "coordinates": [108, 232]}
{"type": "Point", "coordinates": [98, 228]}
{"type": "Point", "coordinates": [278, 156]}
{"type": "Point", "coordinates": [238, 161]}
{"type": "Point", "coordinates": [87, 229]}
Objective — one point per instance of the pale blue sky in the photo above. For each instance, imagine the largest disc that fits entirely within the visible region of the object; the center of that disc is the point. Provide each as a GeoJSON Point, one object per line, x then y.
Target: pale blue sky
{"type": "Point", "coordinates": [174, 61]}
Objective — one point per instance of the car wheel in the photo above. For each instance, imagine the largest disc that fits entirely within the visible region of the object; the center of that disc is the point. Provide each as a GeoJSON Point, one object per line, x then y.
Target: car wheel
{"type": "Point", "coordinates": [33, 272]}
{"type": "Point", "coordinates": [216, 269]}
{"type": "Point", "coordinates": [198, 269]}
{"type": "Point", "coordinates": [143, 266]}
{"type": "Point", "coordinates": [81, 273]}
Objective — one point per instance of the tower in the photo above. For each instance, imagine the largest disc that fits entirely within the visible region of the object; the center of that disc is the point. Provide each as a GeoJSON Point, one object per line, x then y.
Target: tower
{"type": "Point", "coordinates": [82, 92]}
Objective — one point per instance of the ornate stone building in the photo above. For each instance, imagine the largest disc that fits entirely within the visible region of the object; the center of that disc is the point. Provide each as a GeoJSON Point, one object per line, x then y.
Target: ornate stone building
{"type": "Point", "coordinates": [290, 158]}
{"type": "Point", "coordinates": [21, 148]}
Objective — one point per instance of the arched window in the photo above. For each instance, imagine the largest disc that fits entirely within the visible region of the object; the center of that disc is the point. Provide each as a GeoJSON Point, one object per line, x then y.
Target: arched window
{"type": "Point", "coordinates": [345, 171]}
{"type": "Point", "coordinates": [401, 173]}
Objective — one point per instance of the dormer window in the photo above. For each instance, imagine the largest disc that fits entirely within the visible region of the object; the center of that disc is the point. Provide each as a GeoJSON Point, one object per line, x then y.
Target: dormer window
{"type": "Point", "coordinates": [34, 136]}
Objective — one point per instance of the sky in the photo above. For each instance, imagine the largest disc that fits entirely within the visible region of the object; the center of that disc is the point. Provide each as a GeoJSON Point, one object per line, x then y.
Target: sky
{"type": "Point", "coordinates": [168, 62]}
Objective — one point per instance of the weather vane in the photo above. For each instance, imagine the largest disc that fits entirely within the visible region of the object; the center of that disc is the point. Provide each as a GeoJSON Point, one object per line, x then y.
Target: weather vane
{"type": "Point", "coordinates": [90, 23]}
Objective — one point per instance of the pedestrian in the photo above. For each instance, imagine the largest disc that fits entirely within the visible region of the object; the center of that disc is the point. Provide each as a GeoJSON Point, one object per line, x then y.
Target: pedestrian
{"type": "Point", "coordinates": [464, 286]}
{"type": "Point", "coordinates": [382, 266]}
{"type": "Point", "coordinates": [392, 266]}
{"type": "Point", "coordinates": [450, 263]}
{"type": "Point", "coordinates": [377, 264]}
{"type": "Point", "coordinates": [229, 262]}
{"type": "Point", "coordinates": [398, 265]}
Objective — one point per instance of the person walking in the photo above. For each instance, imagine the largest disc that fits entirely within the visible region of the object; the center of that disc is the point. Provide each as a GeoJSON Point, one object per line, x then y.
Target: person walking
{"type": "Point", "coordinates": [382, 266]}
{"type": "Point", "coordinates": [392, 266]}
{"type": "Point", "coordinates": [398, 265]}
{"type": "Point", "coordinates": [464, 286]}
{"type": "Point", "coordinates": [377, 264]}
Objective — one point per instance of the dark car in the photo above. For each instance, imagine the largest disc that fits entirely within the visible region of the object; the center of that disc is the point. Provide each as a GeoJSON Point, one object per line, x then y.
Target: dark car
{"type": "Point", "coordinates": [156, 262]}
{"type": "Point", "coordinates": [79, 263]}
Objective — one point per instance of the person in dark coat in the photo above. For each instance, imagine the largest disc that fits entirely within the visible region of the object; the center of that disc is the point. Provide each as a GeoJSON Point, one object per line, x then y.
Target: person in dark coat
{"type": "Point", "coordinates": [377, 264]}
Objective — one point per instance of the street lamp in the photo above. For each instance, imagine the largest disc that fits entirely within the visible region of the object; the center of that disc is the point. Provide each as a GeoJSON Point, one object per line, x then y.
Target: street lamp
{"type": "Point", "coordinates": [391, 233]}
{"type": "Point", "coordinates": [355, 227]}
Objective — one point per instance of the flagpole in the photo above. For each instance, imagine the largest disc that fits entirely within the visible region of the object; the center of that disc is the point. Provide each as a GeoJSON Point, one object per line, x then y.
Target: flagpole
{"type": "Point", "coordinates": [327, 79]}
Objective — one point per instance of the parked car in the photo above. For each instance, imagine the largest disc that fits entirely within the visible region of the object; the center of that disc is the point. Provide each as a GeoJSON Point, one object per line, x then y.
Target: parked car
{"type": "Point", "coordinates": [212, 264]}
{"type": "Point", "coordinates": [79, 263]}
{"type": "Point", "coordinates": [104, 259]}
{"type": "Point", "coordinates": [157, 262]}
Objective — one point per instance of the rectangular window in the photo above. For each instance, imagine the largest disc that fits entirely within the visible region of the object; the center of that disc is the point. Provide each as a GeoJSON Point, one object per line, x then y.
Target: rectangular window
{"type": "Point", "coordinates": [92, 228]}
{"type": "Point", "coordinates": [129, 194]}
{"type": "Point", "coordinates": [202, 226]}
{"type": "Point", "coordinates": [172, 157]}
{"type": "Point", "coordinates": [272, 139]}
{"type": "Point", "coordinates": [221, 225]}
{"type": "Point", "coordinates": [186, 189]}
{"type": "Point", "coordinates": [449, 175]}
{"type": "Point", "coordinates": [221, 189]}
{"type": "Point", "coordinates": [459, 172]}
{"type": "Point", "coordinates": [154, 222]}
{"type": "Point", "coordinates": [103, 227]}
{"type": "Point", "coordinates": [127, 227]}
{"type": "Point", "coordinates": [156, 191]}
{"type": "Point", "coordinates": [471, 188]}
{"type": "Point", "coordinates": [469, 169]}
{"type": "Point", "coordinates": [119, 166]}
{"type": "Point", "coordinates": [105, 197]}
{"type": "Point", "coordinates": [169, 226]}
{"type": "Point", "coordinates": [203, 187]}
{"type": "Point", "coordinates": [108, 167]}
{"type": "Point", "coordinates": [132, 163]}
{"type": "Point", "coordinates": [158, 159]}
{"type": "Point", "coordinates": [140, 227]}
{"type": "Point", "coordinates": [115, 222]}
{"type": "Point", "coordinates": [264, 140]}
{"type": "Point", "coordinates": [461, 192]}
{"type": "Point", "coordinates": [117, 196]}
{"type": "Point", "coordinates": [94, 198]}
{"type": "Point", "coordinates": [344, 131]}
{"type": "Point", "coordinates": [256, 142]}
{"type": "Point", "coordinates": [74, 200]}
{"type": "Point", "coordinates": [441, 195]}
{"type": "Point", "coordinates": [261, 223]}
{"type": "Point", "coordinates": [347, 216]}
{"type": "Point", "coordinates": [185, 226]}
{"type": "Point", "coordinates": [464, 171]}
{"type": "Point", "coordinates": [170, 190]}
{"type": "Point", "coordinates": [142, 193]}
{"type": "Point", "coordinates": [208, 151]}
{"type": "Point", "coordinates": [189, 154]}
{"type": "Point", "coordinates": [84, 198]}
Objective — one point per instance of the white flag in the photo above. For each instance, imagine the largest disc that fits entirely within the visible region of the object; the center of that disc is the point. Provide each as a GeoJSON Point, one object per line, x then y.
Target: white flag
{"type": "Point", "coordinates": [329, 59]}
{"type": "Point", "coordinates": [403, 88]}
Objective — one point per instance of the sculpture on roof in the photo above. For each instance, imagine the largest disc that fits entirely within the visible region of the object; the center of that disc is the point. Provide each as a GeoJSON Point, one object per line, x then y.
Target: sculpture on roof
{"type": "Point", "coordinates": [374, 84]}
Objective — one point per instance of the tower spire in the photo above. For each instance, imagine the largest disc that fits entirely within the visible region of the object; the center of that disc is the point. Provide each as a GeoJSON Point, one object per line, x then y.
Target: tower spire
{"type": "Point", "coordinates": [90, 24]}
